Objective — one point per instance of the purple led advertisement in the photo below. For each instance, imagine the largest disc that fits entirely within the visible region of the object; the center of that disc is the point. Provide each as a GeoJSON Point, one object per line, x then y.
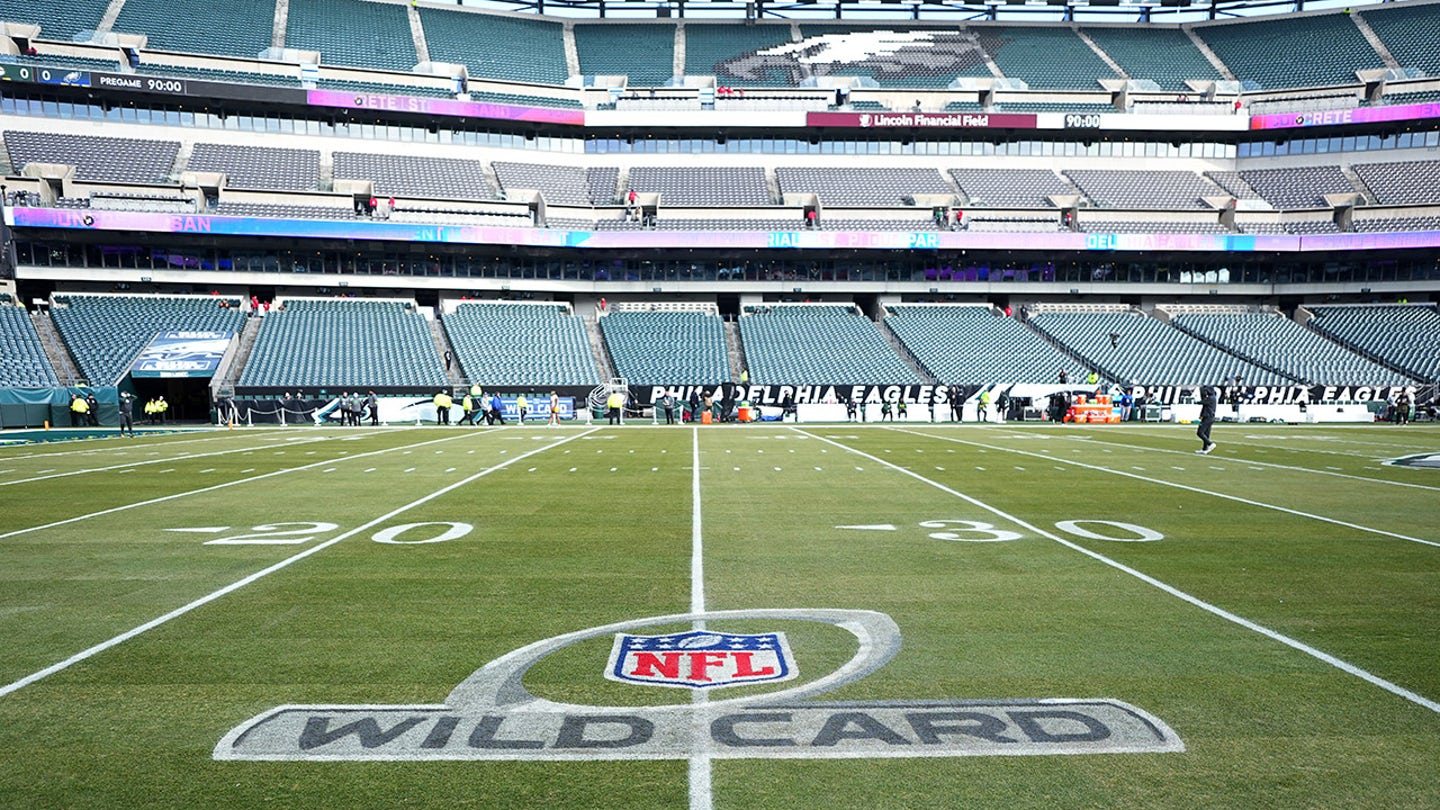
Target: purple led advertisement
{"type": "Point", "coordinates": [381, 230]}
{"type": "Point", "coordinates": [1358, 115]}
{"type": "Point", "coordinates": [442, 106]}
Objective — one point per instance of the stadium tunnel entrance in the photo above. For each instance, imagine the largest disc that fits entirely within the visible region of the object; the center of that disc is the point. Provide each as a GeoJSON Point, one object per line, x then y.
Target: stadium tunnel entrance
{"type": "Point", "coordinates": [188, 397]}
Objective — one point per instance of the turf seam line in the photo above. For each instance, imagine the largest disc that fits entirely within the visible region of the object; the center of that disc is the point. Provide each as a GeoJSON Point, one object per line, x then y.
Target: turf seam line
{"type": "Point", "coordinates": [223, 485]}
{"type": "Point", "coordinates": [238, 584]}
{"type": "Point", "coordinates": [132, 464]}
{"type": "Point", "coordinates": [1215, 610]}
{"type": "Point", "coordinates": [1187, 487]}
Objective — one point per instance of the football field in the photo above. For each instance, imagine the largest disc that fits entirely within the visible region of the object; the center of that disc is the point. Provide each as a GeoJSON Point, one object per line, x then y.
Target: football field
{"type": "Point", "coordinates": [756, 616]}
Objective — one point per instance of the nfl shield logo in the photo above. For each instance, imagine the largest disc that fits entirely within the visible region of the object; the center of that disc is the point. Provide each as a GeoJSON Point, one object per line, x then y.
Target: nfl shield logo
{"type": "Point", "coordinates": [701, 659]}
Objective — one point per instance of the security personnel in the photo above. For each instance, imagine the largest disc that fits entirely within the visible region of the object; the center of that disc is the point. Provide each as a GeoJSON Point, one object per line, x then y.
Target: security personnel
{"type": "Point", "coordinates": [443, 401]}
{"type": "Point", "coordinates": [92, 410]}
{"type": "Point", "coordinates": [467, 404]}
{"type": "Point", "coordinates": [520, 405]}
{"type": "Point", "coordinates": [161, 406]}
{"type": "Point", "coordinates": [613, 404]}
{"type": "Point", "coordinates": [78, 410]}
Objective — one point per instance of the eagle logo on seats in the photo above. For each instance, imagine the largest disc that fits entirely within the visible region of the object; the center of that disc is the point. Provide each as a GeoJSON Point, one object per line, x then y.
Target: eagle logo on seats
{"type": "Point", "coordinates": [701, 659]}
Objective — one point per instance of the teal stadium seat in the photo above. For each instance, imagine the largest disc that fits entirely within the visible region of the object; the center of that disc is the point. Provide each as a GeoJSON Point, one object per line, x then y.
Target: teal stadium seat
{"type": "Point", "coordinates": [644, 52]}
{"type": "Point", "coordinates": [1406, 336]}
{"type": "Point", "coordinates": [822, 345]}
{"type": "Point", "coordinates": [495, 47]}
{"type": "Point", "coordinates": [344, 343]}
{"type": "Point", "coordinates": [106, 332]}
{"type": "Point", "coordinates": [352, 32]}
{"type": "Point", "coordinates": [970, 345]}
{"type": "Point", "coordinates": [1166, 56]}
{"type": "Point", "coordinates": [1276, 341]}
{"type": "Point", "coordinates": [667, 348]}
{"type": "Point", "coordinates": [502, 345]}
{"type": "Point", "coordinates": [59, 20]}
{"type": "Point", "coordinates": [23, 363]}
{"type": "Point", "coordinates": [231, 27]}
{"type": "Point", "coordinates": [729, 53]}
{"type": "Point", "coordinates": [1308, 51]}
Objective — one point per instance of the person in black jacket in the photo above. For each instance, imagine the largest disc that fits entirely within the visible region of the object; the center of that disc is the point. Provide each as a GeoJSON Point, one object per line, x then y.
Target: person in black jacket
{"type": "Point", "coordinates": [1209, 397]}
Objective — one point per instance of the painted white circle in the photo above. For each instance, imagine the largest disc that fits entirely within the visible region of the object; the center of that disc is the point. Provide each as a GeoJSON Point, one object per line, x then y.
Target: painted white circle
{"type": "Point", "coordinates": [1144, 535]}
{"type": "Point", "coordinates": [392, 534]}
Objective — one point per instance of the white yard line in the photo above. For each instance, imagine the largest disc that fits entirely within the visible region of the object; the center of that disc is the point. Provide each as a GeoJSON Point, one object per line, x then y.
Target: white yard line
{"type": "Point", "coordinates": [163, 461]}
{"type": "Point", "coordinates": [701, 792]}
{"type": "Point", "coordinates": [139, 444]}
{"type": "Point", "coordinates": [1320, 655]}
{"type": "Point", "coordinates": [238, 584]}
{"type": "Point", "coordinates": [214, 487]}
{"type": "Point", "coordinates": [1186, 487]}
{"type": "Point", "coordinates": [1253, 462]}
{"type": "Point", "coordinates": [1303, 443]}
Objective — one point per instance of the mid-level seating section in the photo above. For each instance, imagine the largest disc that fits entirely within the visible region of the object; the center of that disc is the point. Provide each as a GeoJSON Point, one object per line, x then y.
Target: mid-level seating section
{"type": "Point", "coordinates": [384, 88]}
{"type": "Point", "coordinates": [1396, 224]}
{"type": "Point", "coordinates": [496, 47]}
{"type": "Point", "coordinates": [644, 52]}
{"type": "Point", "coordinates": [1143, 189]}
{"type": "Point", "coordinates": [59, 20]}
{"type": "Point", "coordinates": [413, 175]}
{"type": "Point", "coordinates": [703, 185]}
{"type": "Point", "coordinates": [819, 344]}
{"type": "Point", "coordinates": [728, 52]}
{"type": "Point", "coordinates": [231, 27]}
{"type": "Point", "coordinates": [277, 211]}
{"type": "Point", "coordinates": [1021, 188]}
{"type": "Point", "coordinates": [1292, 51]}
{"type": "Point", "coordinates": [1408, 31]}
{"type": "Point", "coordinates": [1045, 58]}
{"type": "Point", "coordinates": [1147, 351]}
{"type": "Point", "coordinates": [1408, 183]}
{"type": "Point", "coordinates": [971, 345]}
{"type": "Point", "coordinates": [352, 32]}
{"type": "Point", "coordinates": [23, 363]}
{"type": "Point", "coordinates": [344, 344]}
{"type": "Point", "coordinates": [525, 100]}
{"type": "Point", "coordinates": [1163, 55]}
{"type": "Point", "coordinates": [218, 75]}
{"type": "Point", "coordinates": [1279, 342]}
{"type": "Point", "coordinates": [521, 345]}
{"type": "Point", "coordinates": [561, 185]}
{"type": "Point", "coordinates": [1091, 224]}
{"type": "Point", "coordinates": [893, 57]}
{"type": "Point", "coordinates": [1298, 187]}
{"type": "Point", "coordinates": [1233, 183]}
{"type": "Point", "coordinates": [862, 185]}
{"type": "Point", "coordinates": [121, 160]}
{"type": "Point", "coordinates": [667, 348]}
{"type": "Point", "coordinates": [106, 332]}
{"type": "Point", "coordinates": [259, 167]}
{"type": "Point", "coordinates": [1404, 336]}
{"type": "Point", "coordinates": [58, 61]}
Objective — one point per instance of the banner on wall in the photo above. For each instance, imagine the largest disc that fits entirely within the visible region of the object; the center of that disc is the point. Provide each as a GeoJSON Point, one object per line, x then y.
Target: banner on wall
{"type": "Point", "coordinates": [182, 354]}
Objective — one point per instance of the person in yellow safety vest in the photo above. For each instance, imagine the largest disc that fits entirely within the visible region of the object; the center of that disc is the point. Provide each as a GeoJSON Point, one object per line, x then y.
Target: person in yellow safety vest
{"type": "Point", "coordinates": [476, 392]}
{"type": "Point", "coordinates": [468, 405]}
{"type": "Point", "coordinates": [520, 405]}
{"type": "Point", "coordinates": [78, 410]}
{"type": "Point", "coordinates": [443, 401]}
{"type": "Point", "coordinates": [984, 406]}
{"type": "Point", "coordinates": [613, 404]}
{"type": "Point", "coordinates": [161, 406]}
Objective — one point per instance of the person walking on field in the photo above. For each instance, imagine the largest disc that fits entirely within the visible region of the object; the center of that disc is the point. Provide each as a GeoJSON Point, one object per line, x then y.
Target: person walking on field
{"type": "Point", "coordinates": [1209, 398]}
{"type": "Point", "coordinates": [554, 410]}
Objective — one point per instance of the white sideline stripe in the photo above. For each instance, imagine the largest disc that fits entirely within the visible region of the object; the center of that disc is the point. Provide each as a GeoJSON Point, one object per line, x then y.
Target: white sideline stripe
{"type": "Point", "coordinates": [238, 584]}
{"type": "Point", "coordinates": [138, 445]}
{"type": "Point", "coordinates": [701, 791]}
{"type": "Point", "coordinates": [1320, 655]}
{"type": "Point", "coordinates": [1301, 448]}
{"type": "Point", "coordinates": [152, 461]}
{"type": "Point", "coordinates": [212, 488]}
{"type": "Point", "coordinates": [1326, 471]}
{"type": "Point", "coordinates": [1188, 488]}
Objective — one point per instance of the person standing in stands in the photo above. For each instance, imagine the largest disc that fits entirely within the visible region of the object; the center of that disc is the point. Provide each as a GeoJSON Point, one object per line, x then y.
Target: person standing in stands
{"type": "Point", "coordinates": [1064, 377]}
{"type": "Point", "coordinates": [554, 410]}
{"type": "Point", "coordinates": [522, 405]}
{"type": "Point", "coordinates": [1209, 398]}
{"type": "Point", "coordinates": [127, 414]}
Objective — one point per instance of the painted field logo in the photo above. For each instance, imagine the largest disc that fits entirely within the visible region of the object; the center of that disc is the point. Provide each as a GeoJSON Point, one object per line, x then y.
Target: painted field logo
{"type": "Point", "coordinates": [701, 659]}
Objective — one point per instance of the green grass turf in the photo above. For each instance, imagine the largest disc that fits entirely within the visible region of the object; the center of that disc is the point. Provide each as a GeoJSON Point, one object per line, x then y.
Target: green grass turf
{"type": "Point", "coordinates": [594, 528]}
